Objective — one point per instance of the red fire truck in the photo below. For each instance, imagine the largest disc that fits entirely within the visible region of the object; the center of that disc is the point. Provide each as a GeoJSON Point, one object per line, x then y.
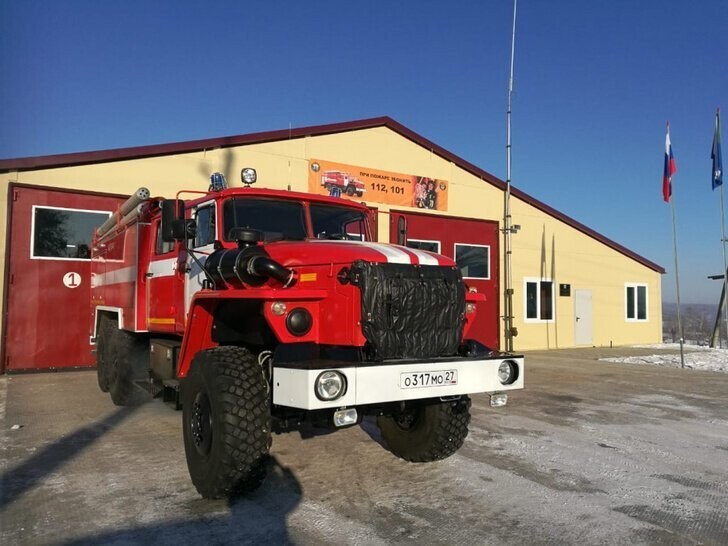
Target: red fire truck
{"type": "Point", "coordinates": [260, 311]}
{"type": "Point", "coordinates": [338, 182]}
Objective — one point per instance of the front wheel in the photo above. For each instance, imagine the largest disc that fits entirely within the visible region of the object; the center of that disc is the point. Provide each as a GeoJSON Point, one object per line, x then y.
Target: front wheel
{"type": "Point", "coordinates": [428, 432]}
{"type": "Point", "coordinates": [226, 422]}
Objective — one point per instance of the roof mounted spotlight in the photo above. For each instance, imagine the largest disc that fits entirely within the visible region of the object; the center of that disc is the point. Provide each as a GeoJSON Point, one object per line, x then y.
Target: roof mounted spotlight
{"type": "Point", "coordinates": [217, 182]}
{"type": "Point", "coordinates": [248, 176]}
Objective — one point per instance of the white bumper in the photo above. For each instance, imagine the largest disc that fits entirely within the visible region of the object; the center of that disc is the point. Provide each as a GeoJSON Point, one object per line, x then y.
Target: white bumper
{"type": "Point", "coordinates": [373, 384]}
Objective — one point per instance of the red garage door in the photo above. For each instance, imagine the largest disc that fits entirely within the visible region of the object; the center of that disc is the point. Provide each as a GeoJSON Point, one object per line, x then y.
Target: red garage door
{"type": "Point", "coordinates": [473, 244]}
{"type": "Point", "coordinates": [47, 288]}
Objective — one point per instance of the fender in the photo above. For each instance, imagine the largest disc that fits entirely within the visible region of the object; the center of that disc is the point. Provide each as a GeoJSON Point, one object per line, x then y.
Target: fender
{"type": "Point", "coordinates": [201, 317]}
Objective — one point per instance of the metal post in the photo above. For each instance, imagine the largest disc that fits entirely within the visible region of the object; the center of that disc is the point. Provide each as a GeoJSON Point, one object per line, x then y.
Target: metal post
{"type": "Point", "coordinates": [507, 225]}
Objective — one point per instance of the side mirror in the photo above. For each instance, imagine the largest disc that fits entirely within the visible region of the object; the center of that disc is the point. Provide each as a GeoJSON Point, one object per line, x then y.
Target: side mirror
{"type": "Point", "coordinates": [173, 213]}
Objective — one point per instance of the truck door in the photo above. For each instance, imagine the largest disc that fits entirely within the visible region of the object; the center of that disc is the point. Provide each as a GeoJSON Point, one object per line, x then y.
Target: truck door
{"type": "Point", "coordinates": [164, 285]}
{"type": "Point", "coordinates": [206, 217]}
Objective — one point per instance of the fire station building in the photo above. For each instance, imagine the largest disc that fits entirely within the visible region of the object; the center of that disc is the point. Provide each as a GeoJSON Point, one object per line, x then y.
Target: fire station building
{"type": "Point", "coordinates": [572, 286]}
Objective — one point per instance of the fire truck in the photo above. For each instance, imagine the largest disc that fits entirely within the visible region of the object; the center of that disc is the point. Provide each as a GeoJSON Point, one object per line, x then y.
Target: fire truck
{"type": "Point", "coordinates": [259, 311]}
{"type": "Point", "coordinates": [341, 182]}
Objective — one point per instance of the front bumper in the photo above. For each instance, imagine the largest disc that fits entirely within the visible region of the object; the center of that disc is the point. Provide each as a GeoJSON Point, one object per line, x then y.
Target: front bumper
{"type": "Point", "coordinates": [376, 383]}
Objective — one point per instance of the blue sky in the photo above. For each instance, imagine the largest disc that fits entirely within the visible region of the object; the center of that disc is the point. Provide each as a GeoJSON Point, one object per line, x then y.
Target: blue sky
{"type": "Point", "coordinates": [595, 83]}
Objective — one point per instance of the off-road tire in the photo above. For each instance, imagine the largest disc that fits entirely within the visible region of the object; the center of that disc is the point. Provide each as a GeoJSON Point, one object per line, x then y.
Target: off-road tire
{"type": "Point", "coordinates": [226, 421]}
{"type": "Point", "coordinates": [104, 334]}
{"type": "Point", "coordinates": [427, 433]}
{"type": "Point", "coordinates": [127, 358]}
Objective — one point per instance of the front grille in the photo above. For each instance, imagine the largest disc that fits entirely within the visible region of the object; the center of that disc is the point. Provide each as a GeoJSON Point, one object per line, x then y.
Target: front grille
{"type": "Point", "coordinates": [410, 311]}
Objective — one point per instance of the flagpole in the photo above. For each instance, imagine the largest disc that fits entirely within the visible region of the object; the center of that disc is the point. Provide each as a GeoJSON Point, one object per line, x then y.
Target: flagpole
{"type": "Point", "coordinates": [725, 268]}
{"type": "Point", "coordinates": [717, 180]}
{"type": "Point", "coordinates": [674, 246]}
{"type": "Point", "coordinates": [677, 283]}
{"type": "Point", "coordinates": [719, 177]}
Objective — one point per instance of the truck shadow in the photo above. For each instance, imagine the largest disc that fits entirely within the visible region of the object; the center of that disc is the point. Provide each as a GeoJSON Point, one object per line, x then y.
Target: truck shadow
{"type": "Point", "coordinates": [369, 425]}
{"type": "Point", "coordinates": [22, 478]}
{"type": "Point", "coordinates": [256, 518]}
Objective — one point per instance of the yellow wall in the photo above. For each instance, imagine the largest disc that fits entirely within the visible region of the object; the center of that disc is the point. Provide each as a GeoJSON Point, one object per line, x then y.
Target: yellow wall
{"type": "Point", "coordinates": [545, 246]}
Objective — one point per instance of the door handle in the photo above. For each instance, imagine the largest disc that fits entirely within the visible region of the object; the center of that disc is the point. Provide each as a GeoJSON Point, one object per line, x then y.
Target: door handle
{"type": "Point", "coordinates": [149, 274]}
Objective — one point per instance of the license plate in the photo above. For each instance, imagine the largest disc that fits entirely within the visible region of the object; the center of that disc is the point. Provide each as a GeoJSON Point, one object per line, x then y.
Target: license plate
{"type": "Point", "coordinates": [416, 380]}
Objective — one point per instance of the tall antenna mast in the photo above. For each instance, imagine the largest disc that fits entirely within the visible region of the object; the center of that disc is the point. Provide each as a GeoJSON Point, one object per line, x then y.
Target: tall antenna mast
{"type": "Point", "coordinates": [508, 230]}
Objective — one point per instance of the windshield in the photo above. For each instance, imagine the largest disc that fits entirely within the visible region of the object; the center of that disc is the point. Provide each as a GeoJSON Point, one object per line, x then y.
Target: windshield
{"type": "Point", "coordinates": [281, 219]}
{"type": "Point", "coordinates": [276, 219]}
{"type": "Point", "coordinates": [332, 222]}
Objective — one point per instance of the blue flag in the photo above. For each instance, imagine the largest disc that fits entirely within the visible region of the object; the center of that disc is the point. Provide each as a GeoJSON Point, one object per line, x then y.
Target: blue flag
{"type": "Point", "coordinates": [716, 155]}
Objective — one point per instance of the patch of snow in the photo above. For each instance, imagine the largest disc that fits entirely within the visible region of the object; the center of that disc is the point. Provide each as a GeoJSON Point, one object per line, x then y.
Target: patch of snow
{"type": "Point", "coordinates": [696, 357]}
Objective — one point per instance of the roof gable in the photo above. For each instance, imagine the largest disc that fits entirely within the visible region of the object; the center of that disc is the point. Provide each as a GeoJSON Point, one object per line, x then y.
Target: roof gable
{"type": "Point", "coordinates": [139, 152]}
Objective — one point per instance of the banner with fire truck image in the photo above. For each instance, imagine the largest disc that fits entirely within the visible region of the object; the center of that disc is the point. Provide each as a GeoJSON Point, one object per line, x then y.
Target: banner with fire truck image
{"type": "Point", "coordinates": [375, 186]}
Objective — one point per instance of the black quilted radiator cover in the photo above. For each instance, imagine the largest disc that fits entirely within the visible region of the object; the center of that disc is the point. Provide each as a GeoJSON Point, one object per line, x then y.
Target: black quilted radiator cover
{"type": "Point", "coordinates": [410, 311]}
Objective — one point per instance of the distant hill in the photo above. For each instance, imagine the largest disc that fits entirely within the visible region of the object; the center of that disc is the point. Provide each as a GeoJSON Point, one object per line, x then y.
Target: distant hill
{"type": "Point", "coordinates": [697, 320]}
{"type": "Point", "coordinates": [670, 309]}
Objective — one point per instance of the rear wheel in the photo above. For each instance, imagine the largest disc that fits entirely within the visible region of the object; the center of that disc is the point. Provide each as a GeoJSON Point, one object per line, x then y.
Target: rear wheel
{"type": "Point", "coordinates": [127, 359]}
{"type": "Point", "coordinates": [350, 190]}
{"type": "Point", "coordinates": [226, 422]}
{"type": "Point", "coordinates": [427, 433]}
{"type": "Point", "coordinates": [103, 341]}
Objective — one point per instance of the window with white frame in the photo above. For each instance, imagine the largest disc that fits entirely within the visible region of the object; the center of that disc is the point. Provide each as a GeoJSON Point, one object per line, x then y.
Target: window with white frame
{"type": "Point", "coordinates": [473, 260]}
{"type": "Point", "coordinates": [204, 216]}
{"type": "Point", "coordinates": [539, 300]}
{"type": "Point", "coordinates": [61, 233]}
{"type": "Point", "coordinates": [422, 244]}
{"type": "Point", "coordinates": [635, 302]}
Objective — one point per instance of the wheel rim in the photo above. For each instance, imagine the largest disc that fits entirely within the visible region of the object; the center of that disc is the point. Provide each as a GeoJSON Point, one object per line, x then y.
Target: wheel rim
{"type": "Point", "coordinates": [406, 420]}
{"type": "Point", "coordinates": [201, 424]}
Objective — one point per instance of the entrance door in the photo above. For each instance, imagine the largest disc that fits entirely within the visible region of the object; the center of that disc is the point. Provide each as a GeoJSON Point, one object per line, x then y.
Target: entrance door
{"type": "Point", "coordinates": [583, 317]}
{"type": "Point", "coordinates": [473, 244]}
{"type": "Point", "coordinates": [47, 297]}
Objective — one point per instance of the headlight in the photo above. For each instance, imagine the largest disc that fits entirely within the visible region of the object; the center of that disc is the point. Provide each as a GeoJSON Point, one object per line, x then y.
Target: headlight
{"type": "Point", "coordinates": [299, 322]}
{"type": "Point", "coordinates": [469, 308]}
{"type": "Point", "coordinates": [248, 176]}
{"type": "Point", "coordinates": [330, 385]}
{"type": "Point", "coordinates": [507, 372]}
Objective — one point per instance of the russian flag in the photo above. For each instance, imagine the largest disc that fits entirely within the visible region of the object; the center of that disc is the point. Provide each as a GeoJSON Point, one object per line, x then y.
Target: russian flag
{"type": "Point", "coordinates": [670, 168]}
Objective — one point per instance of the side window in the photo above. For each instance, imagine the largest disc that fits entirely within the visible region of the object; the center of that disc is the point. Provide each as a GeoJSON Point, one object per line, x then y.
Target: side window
{"type": "Point", "coordinates": [636, 302]}
{"type": "Point", "coordinates": [161, 247]}
{"type": "Point", "coordinates": [64, 234]}
{"type": "Point", "coordinates": [420, 244]}
{"type": "Point", "coordinates": [354, 231]}
{"type": "Point", "coordinates": [539, 301]}
{"type": "Point", "coordinates": [473, 261]}
{"type": "Point", "coordinates": [205, 218]}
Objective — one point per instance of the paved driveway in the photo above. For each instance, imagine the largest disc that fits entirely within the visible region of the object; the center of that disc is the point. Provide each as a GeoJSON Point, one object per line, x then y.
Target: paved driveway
{"type": "Point", "coordinates": [589, 453]}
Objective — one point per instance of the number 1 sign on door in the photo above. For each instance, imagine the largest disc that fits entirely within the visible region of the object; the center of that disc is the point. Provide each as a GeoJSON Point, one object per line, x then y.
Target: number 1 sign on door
{"type": "Point", "coordinates": [72, 279]}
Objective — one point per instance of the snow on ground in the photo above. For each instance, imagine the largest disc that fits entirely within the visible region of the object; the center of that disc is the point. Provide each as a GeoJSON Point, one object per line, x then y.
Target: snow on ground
{"type": "Point", "coordinates": [696, 357]}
